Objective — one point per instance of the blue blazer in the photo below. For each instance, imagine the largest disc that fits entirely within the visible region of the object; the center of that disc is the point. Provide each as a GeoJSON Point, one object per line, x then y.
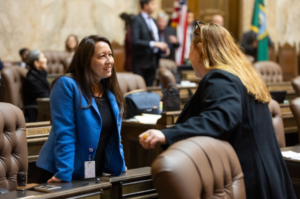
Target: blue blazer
{"type": "Point", "coordinates": [75, 130]}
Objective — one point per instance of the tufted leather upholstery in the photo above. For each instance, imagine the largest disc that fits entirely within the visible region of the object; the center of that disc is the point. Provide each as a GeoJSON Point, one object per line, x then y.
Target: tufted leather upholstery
{"type": "Point", "coordinates": [296, 85]}
{"type": "Point", "coordinates": [295, 108]}
{"type": "Point", "coordinates": [57, 61]}
{"type": "Point", "coordinates": [129, 82]}
{"type": "Point", "coordinates": [167, 63]}
{"type": "Point", "coordinates": [270, 71]}
{"type": "Point", "coordinates": [198, 167]}
{"type": "Point", "coordinates": [277, 122]}
{"type": "Point", "coordinates": [166, 78]}
{"type": "Point", "coordinates": [13, 145]}
{"type": "Point", "coordinates": [12, 81]}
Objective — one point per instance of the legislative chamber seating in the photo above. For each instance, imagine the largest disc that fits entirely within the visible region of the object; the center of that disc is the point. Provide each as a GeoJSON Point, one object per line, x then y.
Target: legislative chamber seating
{"type": "Point", "coordinates": [130, 82]}
{"type": "Point", "coordinates": [270, 71]}
{"type": "Point", "coordinates": [11, 84]}
{"type": "Point", "coordinates": [13, 145]}
{"type": "Point", "coordinates": [295, 108]}
{"type": "Point", "coordinates": [296, 85]}
{"type": "Point", "coordinates": [198, 167]}
{"type": "Point", "coordinates": [277, 122]}
{"type": "Point", "coordinates": [166, 78]}
{"type": "Point", "coordinates": [57, 61]}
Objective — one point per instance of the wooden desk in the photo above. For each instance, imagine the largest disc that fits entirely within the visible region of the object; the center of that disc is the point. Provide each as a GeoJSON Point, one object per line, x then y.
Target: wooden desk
{"type": "Point", "coordinates": [133, 183]}
{"type": "Point", "coordinates": [293, 167]}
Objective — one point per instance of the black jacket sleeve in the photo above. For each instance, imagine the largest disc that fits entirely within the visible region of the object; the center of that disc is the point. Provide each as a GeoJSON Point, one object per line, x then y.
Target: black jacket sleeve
{"type": "Point", "coordinates": [136, 31]}
{"type": "Point", "coordinates": [221, 111]}
{"type": "Point", "coordinates": [35, 88]}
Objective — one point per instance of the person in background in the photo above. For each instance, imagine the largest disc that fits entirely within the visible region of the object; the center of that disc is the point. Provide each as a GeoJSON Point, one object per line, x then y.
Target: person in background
{"type": "Point", "coordinates": [87, 107]}
{"type": "Point", "coordinates": [167, 34]}
{"type": "Point", "coordinates": [250, 43]}
{"type": "Point", "coordinates": [23, 53]}
{"type": "Point", "coordinates": [218, 19]}
{"type": "Point", "coordinates": [35, 84]}
{"type": "Point", "coordinates": [128, 46]}
{"type": "Point", "coordinates": [71, 44]}
{"type": "Point", "coordinates": [146, 47]}
{"type": "Point", "coordinates": [189, 35]}
{"type": "Point", "coordinates": [231, 104]}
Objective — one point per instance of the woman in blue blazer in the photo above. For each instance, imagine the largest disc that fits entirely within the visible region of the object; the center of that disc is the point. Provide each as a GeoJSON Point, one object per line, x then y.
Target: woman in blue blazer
{"type": "Point", "coordinates": [87, 107]}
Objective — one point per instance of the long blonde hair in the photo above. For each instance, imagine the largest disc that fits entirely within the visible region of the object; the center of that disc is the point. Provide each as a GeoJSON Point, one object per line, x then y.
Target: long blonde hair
{"type": "Point", "coordinates": [219, 51]}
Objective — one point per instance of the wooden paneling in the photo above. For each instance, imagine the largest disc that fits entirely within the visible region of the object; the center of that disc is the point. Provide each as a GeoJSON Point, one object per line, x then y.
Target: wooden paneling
{"type": "Point", "coordinates": [272, 55]}
{"type": "Point", "coordinates": [287, 56]}
{"type": "Point", "coordinates": [119, 56]}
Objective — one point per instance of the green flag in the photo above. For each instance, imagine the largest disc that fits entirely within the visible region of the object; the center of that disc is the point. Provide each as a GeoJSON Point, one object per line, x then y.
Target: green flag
{"type": "Point", "coordinates": [259, 26]}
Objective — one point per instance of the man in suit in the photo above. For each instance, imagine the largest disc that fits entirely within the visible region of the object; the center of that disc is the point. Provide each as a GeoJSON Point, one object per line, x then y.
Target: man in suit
{"type": "Point", "coordinates": [145, 43]}
{"type": "Point", "coordinates": [250, 43]}
{"type": "Point", "coordinates": [167, 34]}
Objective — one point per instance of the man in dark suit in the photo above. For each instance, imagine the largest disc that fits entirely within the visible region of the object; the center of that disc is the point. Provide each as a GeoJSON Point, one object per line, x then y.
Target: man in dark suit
{"type": "Point", "coordinates": [250, 43]}
{"type": "Point", "coordinates": [145, 43]}
{"type": "Point", "coordinates": [167, 34]}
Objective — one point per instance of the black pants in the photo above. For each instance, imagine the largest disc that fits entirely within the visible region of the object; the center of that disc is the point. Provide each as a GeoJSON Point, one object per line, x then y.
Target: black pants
{"type": "Point", "coordinates": [148, 74]}
{"type": "Point", "coordinates": [44, 175]}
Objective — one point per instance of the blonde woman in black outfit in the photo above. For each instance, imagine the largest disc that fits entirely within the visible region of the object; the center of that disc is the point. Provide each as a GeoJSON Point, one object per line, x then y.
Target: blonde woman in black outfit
{"type": "Point", "coordinates": [231, 103]}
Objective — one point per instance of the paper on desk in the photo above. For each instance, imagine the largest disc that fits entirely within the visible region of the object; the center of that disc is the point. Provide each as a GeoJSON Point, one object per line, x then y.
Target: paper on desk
{"type": "Point", "coordinates": [147, 118]}
{"type": "Point", "coordinates": [291, 154]}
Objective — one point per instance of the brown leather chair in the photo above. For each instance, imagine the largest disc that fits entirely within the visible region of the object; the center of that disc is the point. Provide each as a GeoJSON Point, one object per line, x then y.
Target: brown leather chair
{"type": "Point", "coordinates": [166, 78]}
{"type": "Point", "coordinates": [277, 122]}
{"type": "Point", "coordinates": [11, 83]}
{"type": "Point", "coordinates": [295, 108]}
{"type": "Point", "coordinates": [13, 145]}
{"type": "Point", "coordinates": [198, 167]}
{"type": "Point", "coordinates": [57, 61]}
{"type": "Point", "coordinates": [270, 71]}
{"type": "Point", "coordinates": [165, 64]}
{"type": "Point", "coordinates": [296, 85]}
{"type": "Point", "coordinates": [129, 82]}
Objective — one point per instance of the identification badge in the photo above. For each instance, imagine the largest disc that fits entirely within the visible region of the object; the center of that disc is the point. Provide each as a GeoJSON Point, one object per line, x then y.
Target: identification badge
{"type": "Point", "coordinates": [89, 166]}
{"type": "Point", "coordinates": [89, 169]}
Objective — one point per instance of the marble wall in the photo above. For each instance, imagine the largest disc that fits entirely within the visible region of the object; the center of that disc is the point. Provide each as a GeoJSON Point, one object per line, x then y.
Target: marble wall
{"type": "Point", "coordinates": [45, 24]}
{"type": "Point", "coordinates": [283, 19]}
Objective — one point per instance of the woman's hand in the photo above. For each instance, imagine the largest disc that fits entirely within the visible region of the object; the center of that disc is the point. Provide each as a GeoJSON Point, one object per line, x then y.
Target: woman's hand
{"type": "Point", "coordinates": [152, 137]}
{"type": "Point", "coordinates": [54, 179]}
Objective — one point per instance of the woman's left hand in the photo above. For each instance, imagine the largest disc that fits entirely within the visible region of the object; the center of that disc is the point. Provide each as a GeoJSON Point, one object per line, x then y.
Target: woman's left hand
{"type": "Point", "coordinates": [54, 179]}
{"type": "Point", "coordinates": [152, 137]}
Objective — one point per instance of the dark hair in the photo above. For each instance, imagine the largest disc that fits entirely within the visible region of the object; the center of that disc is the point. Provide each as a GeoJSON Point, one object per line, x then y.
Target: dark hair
{"type": "Point", "coordinates": [143, 2]}
{"type": "Point", "coordinates": [23, 50]}
{"type": "Point", "coordinates": [127, 18]}
{"type": "Point", "coordinates": [68, 49]}
{"type": "Point", "coordinates": [81, 72]}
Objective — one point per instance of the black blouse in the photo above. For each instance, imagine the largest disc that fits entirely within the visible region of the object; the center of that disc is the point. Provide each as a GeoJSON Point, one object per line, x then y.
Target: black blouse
{"type": "Point", "coordinates": [108, 127]}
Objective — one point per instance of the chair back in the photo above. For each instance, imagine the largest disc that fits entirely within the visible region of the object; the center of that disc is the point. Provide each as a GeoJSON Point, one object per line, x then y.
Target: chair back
{"type": "Point", "coordinates": [129, 82]}
{"type": "Point", "coordinates": [13, 145]}
{"type": "Point", "coordinates": [295, 108]}
{"type": "Point", "coordinates": [166, 78]}
{"type": "Point", "coordinates": [57, 61]}
{"type": "Point", "coordinates": [198, 167]}
{"type": "Point", "coordinates": [270, 71]}
{"type": "Point", "coordinates": [12, 82]}
{"type": "Point", "coordinates": [296, 85]}
{"type": "Point", "coordinates": [277, 122]}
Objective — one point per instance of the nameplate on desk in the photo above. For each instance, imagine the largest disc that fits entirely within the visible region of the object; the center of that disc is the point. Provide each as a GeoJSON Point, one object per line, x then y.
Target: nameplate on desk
{"type": "Point", "coordinates": [38, 131]}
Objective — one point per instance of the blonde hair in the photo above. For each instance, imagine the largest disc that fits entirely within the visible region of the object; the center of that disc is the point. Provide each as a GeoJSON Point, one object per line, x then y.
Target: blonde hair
{"type": "Point", "coordinates": [219, 51]}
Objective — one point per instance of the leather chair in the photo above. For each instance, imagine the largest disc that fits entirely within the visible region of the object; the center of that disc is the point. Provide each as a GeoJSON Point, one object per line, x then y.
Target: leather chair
{"type": "Point", "coordinates": [12, 81]}
{"type": "Point", "coordinates": [198, 167]}
{"type": "Point", "coordinates": [130, 82]}
{"type": "Point", "coordinates": [295, 108]}
{"type": "Point", "coordinates": [13, 145]}
{"type": "Point", "coordinates": [296, 85]}
{"type": "Point", "coordinates": [277, 122]}
{"type": "Point", "coordinates": [270, 71]}
{"type": "Point", "coordinates": [57, 61]}
{"type": "Point", "coordinates": [166, 78]}
{"type": "Point", "coordinates": [165, 64]}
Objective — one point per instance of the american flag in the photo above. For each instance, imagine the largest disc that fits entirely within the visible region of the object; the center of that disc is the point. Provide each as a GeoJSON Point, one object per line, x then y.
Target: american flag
{"type": "Point", "coordinates": [179, 21]}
